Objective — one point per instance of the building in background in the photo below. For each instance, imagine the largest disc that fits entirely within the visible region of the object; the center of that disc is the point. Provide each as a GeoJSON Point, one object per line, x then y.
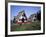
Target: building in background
{"type": "Point", "coordinates": [33, 17]}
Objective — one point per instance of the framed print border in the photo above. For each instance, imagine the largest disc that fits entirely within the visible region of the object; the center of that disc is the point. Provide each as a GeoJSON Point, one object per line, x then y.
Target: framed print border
{"type": "Point", "coordinates": [6, 17]}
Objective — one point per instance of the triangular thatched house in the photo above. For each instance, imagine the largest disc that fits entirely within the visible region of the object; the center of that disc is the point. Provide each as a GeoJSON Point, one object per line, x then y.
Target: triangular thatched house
{"type": "Point", "coordinates": [21, 17]}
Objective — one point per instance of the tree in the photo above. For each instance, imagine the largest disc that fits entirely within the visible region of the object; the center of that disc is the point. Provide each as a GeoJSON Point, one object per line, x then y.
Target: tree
{"type": "Point", "coordinates": [39, 15]}
{"type": "Point", "coordinates": [14, 20]}
{"type": "Point", "coordinates": [23, 20]}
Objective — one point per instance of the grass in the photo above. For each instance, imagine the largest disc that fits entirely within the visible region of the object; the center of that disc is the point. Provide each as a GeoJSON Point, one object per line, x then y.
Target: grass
{"type": "Point", "coordinates": [26, 27]}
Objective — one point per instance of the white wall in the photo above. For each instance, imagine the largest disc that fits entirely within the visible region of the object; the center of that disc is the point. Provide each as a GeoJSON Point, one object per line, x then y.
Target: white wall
{"type": "Point", "coordinates": [2, 19]}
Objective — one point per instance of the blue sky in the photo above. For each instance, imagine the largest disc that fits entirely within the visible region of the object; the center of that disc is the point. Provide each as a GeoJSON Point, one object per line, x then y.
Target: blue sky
{"type": "Point", "coordinates": [28, 10]}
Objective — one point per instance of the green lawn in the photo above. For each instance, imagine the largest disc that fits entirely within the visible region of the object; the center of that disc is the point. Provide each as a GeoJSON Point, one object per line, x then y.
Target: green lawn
{"type": "Point", "coordinates": [24, 27]}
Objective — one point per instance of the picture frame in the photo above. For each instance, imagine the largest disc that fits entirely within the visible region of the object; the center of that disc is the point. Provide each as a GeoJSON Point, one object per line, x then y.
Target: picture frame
{"type": "Point", "coordinates": [23, 3]}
